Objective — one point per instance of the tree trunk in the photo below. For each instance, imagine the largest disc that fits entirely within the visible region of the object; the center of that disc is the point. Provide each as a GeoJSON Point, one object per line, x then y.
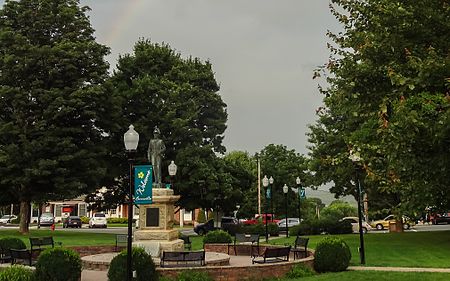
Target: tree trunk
{"type": "Point", "coordinates": [24, 213]}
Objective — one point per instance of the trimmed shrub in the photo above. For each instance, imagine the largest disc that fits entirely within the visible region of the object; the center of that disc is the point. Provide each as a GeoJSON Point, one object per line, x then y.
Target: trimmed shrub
{"type": "Point", "coordinates": [258, 228]}
{"type": "Point", "coordinates": [217, 236]}
{"type": "Point", "coordinates": [58, 264]}
{"type": "Point", "coordinates": [142, 263]}
{"type": "Point", "coordinates": [12, 243]}
{"type": "Point", "coordinates": [17, 273]}
{"type": "Point", "coordinates": [117, 220]}
{"type": "Point", "coordinates": [339, 227]}
{"type": "Point", "coordinates": [332, 255]}
{"type": "Point", "coordinates": [273, 229]}
{"type": "Point", "coordinates": [299, 271]}
{"type": "Point", "coordinates": [193, 275]}
{"type": "Point", "coordinates": [84, 220]}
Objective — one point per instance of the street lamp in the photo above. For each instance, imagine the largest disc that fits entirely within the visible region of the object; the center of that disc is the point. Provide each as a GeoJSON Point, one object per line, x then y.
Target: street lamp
{"type": "Point", "coordinates": [172, 172]}
{"type": "Point", "coordinates": [299, 189]}
{"type": "Point", "coordinates": [356, 159]}
{"type": "Point", "coordinates": [265, 183]}
{"type": "Point", "coordinates": [131, 140]}
{"type": "Point", "coordinates": [285, 191]}
{"type": "Point", "coordinates": [271, 199]}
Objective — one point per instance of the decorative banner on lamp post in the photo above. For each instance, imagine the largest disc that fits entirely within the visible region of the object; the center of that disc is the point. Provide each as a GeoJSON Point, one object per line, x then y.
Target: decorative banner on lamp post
{"type": "Point", "coordinates": [302, 193]}
{"type": "Point", "coordinates": [143, 184]}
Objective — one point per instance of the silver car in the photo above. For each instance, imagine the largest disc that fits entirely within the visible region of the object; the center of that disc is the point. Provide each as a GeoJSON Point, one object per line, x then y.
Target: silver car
{"type": "Point", "coordinates": [290, 223]}
{"type": "Point", "coordinates": [7, 219]}
{"type": "Point", "coordinates": [47, 219]}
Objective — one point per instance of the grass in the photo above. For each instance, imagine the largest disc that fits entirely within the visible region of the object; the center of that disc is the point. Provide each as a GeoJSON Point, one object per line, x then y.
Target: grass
{"type": "Point", "coordinates": [375, 276]}
{"type": "Point", "coordinates": [68, 238]}
{"type": "Point", "coordinates": [409, 249]}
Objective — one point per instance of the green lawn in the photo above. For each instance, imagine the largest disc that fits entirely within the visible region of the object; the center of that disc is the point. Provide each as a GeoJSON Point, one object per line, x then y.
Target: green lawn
{"type": "Point", "coordinates": [409, 249]}
{"type": "Point", "coordinates": [375, 276]}
{"type": "Point", "coordinates": [68, 238]}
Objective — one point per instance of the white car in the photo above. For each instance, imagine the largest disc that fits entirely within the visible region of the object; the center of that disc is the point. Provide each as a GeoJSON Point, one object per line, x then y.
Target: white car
{"type": "Point", "coordinates": [98, 220]}
{"type": "Point", "coordinates": [355, 224]}
{"type": "Point", "coordinates": [290, 223]}
{"type": "Point", "coordinates": [7, 219]}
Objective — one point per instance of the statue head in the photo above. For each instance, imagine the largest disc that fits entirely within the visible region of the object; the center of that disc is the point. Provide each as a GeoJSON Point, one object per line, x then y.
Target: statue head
{"type": "Point", "coordinates": [156, 131]}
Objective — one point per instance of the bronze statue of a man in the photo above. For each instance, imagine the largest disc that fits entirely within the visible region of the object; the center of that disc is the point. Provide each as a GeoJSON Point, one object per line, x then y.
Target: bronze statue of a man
{"type": "Point", "coordinates": [155, 155]}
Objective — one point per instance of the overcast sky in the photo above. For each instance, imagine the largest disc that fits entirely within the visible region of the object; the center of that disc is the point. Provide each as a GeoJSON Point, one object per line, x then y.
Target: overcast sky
{"type": "Point", "coordinates": [263, 53]}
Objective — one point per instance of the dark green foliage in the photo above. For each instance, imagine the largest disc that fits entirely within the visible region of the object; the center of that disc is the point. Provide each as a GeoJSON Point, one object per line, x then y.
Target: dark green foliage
{"type": "Point", "coordinates": [58, 264]}
{"type": "Point", "coordinates": [117, 220]}
{"type": "Point", "coordinates": [332, 255]}
{"type": "Point", "coordinates": [318, 226]}
{"type": "Point", "coordinates": [201, 216]}
{"type": "Point", "coordinates": [194, 275]}
{"type": "Point", "coordinates": [258, 228]}
{"type": "Point", "coordinates": [11, 243]}
{"type": "Point", "coordinates": [299, 271]}
{"type": "Point", "coordinates": [17, 273]}
{"type": "Point", "coordinates": [387, 100]}
{"type": "Point", "coordinates": [217, 236]}
{"type": "Point", "coordinates": [273, 229]}
{"type": "Point", "coordinates": [142, 263]}
{"type": "Point", "coordinates": [51, 102]}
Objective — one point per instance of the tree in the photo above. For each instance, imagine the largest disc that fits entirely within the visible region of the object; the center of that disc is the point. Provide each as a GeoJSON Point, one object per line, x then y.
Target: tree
{"type": "Point", "coordinates": [284, 165]}
{"type": "Point", "coordinates": [387, 101]}
{"type": "Point", "coordinates": [155, 86]}
{"type": "Point", "coordinates": [50, 99]}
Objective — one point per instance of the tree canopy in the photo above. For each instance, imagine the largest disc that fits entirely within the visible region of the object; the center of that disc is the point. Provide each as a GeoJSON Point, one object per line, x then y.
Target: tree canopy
{"type": "Point", "coordinates": [50, 68]}
{"type": "Point", "coordinates": [155, 86]}
{"type": "Point", "coordinates": [388, 101]}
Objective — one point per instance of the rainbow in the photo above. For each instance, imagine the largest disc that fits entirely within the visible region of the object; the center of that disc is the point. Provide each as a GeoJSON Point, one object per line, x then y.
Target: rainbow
{"type": "Point", "coordinates": [117, 29]}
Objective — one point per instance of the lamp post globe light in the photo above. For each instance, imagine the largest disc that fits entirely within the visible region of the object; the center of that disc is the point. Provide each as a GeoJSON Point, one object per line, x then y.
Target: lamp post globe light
{"type": "Point", "coordinates": [271, 199]}
{"type": "Point", "coordinates": [285, 191]}
{"type": "Point", "coordinates": [265, 183]}
{"type": "Point", "coordinates": [356, 159]}
{"type": "Point", "coordinates": [131, 141]}
{"type": "Point", "coordinates": [299, 190]}
{"type": "Point", "coordinates": [172, 172]}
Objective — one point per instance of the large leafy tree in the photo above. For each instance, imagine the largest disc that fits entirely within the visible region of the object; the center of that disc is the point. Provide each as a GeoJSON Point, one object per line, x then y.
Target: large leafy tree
{"type": "Point", "coordinates": [155, 86]}
{"type": "Point", "coordinates": [284, 165]}
{"type": "Point", "coordinates": [388, 101]}
{"type": "Point", "coordinates": [50, 68]}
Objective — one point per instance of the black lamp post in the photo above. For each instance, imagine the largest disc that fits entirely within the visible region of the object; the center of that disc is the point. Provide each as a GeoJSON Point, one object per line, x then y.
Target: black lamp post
{"type": "Point", "coordinates": [265, 183]}
{"type": "Point", "coordinates": [131, 140]}
{"type": "Point", "coordinates": [356, 159]}
{"type": "Point", "coordinates": [285, 191]}
{"type": "Point", "coordinates": [299, 190]}
{"type": "Point", "coordinates": [172, 172]}
{"type": "Point", "coordinates": [271, 199]}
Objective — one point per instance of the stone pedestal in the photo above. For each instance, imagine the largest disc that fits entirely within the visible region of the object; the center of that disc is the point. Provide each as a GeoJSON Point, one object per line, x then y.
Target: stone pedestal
{"type": "Point", "coordinates": [156, 233]}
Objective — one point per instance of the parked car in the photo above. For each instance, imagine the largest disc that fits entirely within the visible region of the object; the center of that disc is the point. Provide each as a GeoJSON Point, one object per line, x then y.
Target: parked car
{"type": "Point", "coordinates": [47, 219]}
{"type": "Point", "coordinates": [440, 218]}
{"type": "Point", "coordinates": [72, 221]}
{"type": "Point", "coordinates": [7, 219]}
{"type": "Point", "coordinates": [227, 224]}
{"type": "Point", "coordinates": [290, 223]}
{"type": "Point", "coordinates": [384, 223]}
{"type": "Point", "coordinates": [355, 224]}
{"type": "Point", "coordinates": [98, 220]}
{"type": "Point", "coordinates": [261, 219]}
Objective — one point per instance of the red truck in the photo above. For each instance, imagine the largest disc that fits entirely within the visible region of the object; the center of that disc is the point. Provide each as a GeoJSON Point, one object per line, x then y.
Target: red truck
{"type": "Point", "coordinates": [262, 219]}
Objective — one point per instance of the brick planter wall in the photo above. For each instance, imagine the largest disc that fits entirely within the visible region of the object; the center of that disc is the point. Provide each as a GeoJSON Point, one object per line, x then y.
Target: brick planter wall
{"type": "Point", "coordinates": [94, 250]}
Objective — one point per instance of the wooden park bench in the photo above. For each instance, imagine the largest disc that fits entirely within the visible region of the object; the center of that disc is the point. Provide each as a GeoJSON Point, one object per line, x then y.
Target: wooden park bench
{"type": "Point", "coordinates": [41, 243]}
{"type": "Point", "coordinates": [121, 241]}
{"type": "Point", "coordinates": [22, 256]}
{"type": "Point", "coordinates": [251, 239]}
{"type": "Point", "coordinates": [183, 259]}
{"type": "Point", "coordinates": [300, 247]}
{"type": "Point", "coordinates": [273, 255]}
